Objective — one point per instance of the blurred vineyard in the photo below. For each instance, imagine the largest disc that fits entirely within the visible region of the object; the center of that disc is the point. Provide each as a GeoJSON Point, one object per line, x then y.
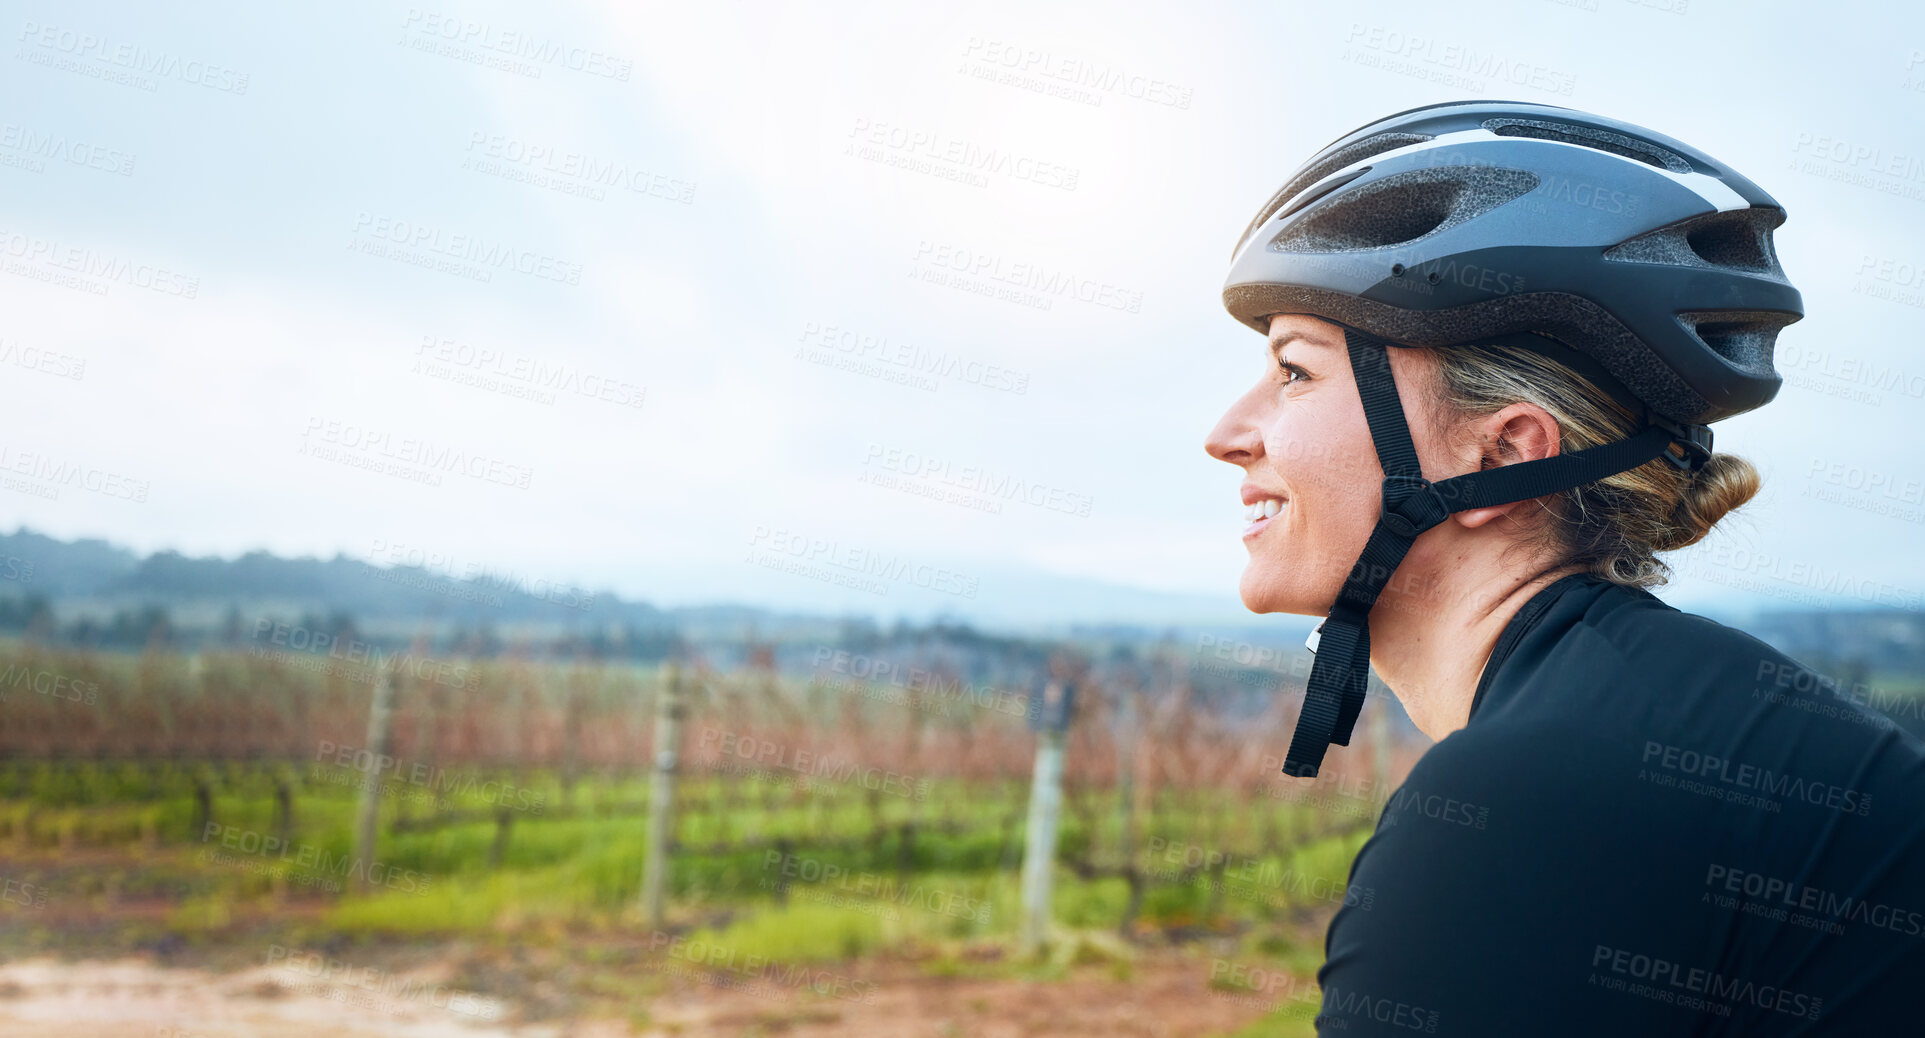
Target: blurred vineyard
{"type": "Point", "coordinates": [167, 798]}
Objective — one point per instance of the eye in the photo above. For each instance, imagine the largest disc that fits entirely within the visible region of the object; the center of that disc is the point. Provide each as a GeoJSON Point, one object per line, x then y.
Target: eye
{"type": "Point", "coordinates": [1290, 368]}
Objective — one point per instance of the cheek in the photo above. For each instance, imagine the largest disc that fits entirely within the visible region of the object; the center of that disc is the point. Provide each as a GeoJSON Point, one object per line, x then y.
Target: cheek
{"type": "Point", "coordinates": [1318, 462]}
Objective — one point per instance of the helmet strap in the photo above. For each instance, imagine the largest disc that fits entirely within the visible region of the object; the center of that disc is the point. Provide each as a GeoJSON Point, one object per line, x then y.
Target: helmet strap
{"type": "Point", "coordinates": [1334, 695]}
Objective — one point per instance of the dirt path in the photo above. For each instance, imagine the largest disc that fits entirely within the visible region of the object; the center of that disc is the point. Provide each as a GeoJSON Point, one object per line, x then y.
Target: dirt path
{"type": "Point", "coordinates": [1166, 997]}
{"type": "Point", "coordinates": [133, 997]}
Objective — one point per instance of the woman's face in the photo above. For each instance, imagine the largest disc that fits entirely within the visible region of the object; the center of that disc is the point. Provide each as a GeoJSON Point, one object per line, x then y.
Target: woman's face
{"type": "Point", "coordinates": [1300, 436]}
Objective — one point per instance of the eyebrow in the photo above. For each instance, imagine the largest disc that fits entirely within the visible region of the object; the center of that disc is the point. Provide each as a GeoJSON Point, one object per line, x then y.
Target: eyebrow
{"type": "Point", "coordinates": [1285, 338]}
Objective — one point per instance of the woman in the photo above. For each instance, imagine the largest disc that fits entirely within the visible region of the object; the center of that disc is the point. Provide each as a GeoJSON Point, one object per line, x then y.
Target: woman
{"type": "Point", "coordinates": [1635, 821]}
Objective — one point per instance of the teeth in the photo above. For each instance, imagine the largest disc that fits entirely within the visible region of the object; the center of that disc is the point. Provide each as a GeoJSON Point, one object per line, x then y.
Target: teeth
{"type": "Point", "coordinates": [1262, 510]}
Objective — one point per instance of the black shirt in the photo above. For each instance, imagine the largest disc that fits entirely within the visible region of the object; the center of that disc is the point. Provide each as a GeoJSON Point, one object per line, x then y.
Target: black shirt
{"type": "Point", "coordinates": [1652, 824]}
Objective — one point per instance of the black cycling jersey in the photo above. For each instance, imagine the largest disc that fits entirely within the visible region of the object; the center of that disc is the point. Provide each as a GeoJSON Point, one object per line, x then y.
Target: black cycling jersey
{"type": "Point", "coordinates": [1652, 824]}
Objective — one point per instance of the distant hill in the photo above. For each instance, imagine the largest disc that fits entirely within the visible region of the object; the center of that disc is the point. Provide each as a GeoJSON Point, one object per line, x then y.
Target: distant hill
{"type": "Point", "coordinates": [117, 597]}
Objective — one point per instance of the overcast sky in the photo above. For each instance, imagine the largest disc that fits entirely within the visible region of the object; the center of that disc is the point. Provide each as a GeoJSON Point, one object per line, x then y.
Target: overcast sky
{"type": "Point", "coordinates": [643, 297]}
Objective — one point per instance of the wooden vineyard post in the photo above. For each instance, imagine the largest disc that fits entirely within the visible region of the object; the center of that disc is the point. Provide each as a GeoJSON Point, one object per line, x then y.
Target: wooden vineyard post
{"type": "Point", "coordinates": [283, 803]}
{"type": "Point", "coordinates": [661, 793]}
{"type": "Point", "coordinates": [1127, 735]}
{"type": "Point", "coordinates": [380, 744]}
{"type": "Point", "coordinates": [1051, 720]}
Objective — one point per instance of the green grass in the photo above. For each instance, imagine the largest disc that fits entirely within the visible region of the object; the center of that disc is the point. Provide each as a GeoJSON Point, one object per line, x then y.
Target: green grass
{"type": "Point", "coordinates": [1295, 1020]}
{"type": "Point", "coordinates": [584, 869]}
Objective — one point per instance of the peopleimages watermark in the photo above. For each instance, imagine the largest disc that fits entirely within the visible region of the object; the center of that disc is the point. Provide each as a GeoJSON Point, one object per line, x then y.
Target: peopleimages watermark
{"type": "Point", "coordinates": [376, 988]}
{"type": "Point", "coordinates": [1065, 77]}
{"type": "Point", "coordinates": [1341, 1002]}
{"type": "Point", "coordinates": [413, 458]}
{"type": "Point", "coordinates": [429, 570]}
{"type": "Point", "coordinates": [263, 849]}
{"type": "Point", "coordinates": [1329, 791]}
{"type": "Point", "coordinates": [771, 757]}
{"type": "Point", "coordinates": [949, 158]}
{"type": "Point", "coordinates": [1025, 282]}
{"type": "Point", "coordinates": [1746, 784]}
{"type": "Point", "coordinates": [43, 361]}
{"type": "Point", "coordinates": [1283, 993]}
{"type": "Point", "coordinates": [568, 172]}
{"type": "Point", "coordinates": [39, 474]}
{"type": "Point", "coordinates": [426, 777]}
{"type": "Point", "coordinates": [1861, 164]}
{"type": "Point", "coordinates": [518, 375]}
{"type": "Point", "coordinates": [1910, 81]}
{"type": "Point", "coordinates": [49, 683]}
{"type": "Point", "coordinates": [1860, 380]}
{"type": "Point", "coordinates": [728, 967]}
{"type": "Point", "coordinates": [121, 61]}
{"type": "Point", "coordinates": [973, 485]}
{"type": "Point", "coordinates": [1899, 281]}
{"type": "Point", "coordinates": [853, 566]}
{"type": "Point", "coordinates": [1265, 665]}
{"type": "Point", "coordinates": [13, 567]}
{"type": "Point", "coordinates": [453, 252]}
{"type": "Point", "coordinates": [1251, 878]}
{"type": "Point", "coordinates": [24, 147]}
{"type": "Point", "coordinates": [864, 891]}
{"type": "Point", "coordinates": [88, 270]}
{"type": "Point", "coordinates": [920, 687]}
{"type": "Point", "coordinates": [1249, 654]}
{"type": "Point", "coordinates": [1413, 272]}
{"type": "Point", "coordinates": [1276, 990]}
{"type": "Point", "coordinates": [26, 895]}
{"type": "Point", "coordinates": [328, 650]}
{"type": "Point", "coordinates": [1867, 489]}
{"type": "Point", "coordinates": [1408, 801]}
{"type": "Point", "coordinates": [510, 50]}
{"type": "Point", "coordinates": [1725, 558]}
{"type": "Point", "coordinates": [899, 361]}
{"type": "Point", "coordinates": [1800, 904]}
{"type": "Point", "coordinates": [1672, 982]}
{"type": "Point", "coordinates": [1424, 57]}
{"type": "Point", "coordinates": [1802, 688]}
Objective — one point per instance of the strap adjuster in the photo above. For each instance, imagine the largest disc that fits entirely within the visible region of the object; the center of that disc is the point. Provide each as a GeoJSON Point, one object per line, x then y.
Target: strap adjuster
{"type": "Point", "coordinates": [1412, 504]}
{"type": "Point", "coordinates": [1695, 439]}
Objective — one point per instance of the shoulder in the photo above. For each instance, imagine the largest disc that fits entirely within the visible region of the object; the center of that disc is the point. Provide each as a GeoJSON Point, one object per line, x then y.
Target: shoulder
{"type": "Point", "coordinates": [1477, 883]}
{"type": "Point", "coordinates": [1616, 660]}
{"type": "Point", "coordinates": [1492, 793]}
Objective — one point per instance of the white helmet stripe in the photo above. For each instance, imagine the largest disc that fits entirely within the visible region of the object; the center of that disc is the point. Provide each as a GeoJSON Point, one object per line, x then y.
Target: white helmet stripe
{"type": "Point", "coordinates": [1714, 191]}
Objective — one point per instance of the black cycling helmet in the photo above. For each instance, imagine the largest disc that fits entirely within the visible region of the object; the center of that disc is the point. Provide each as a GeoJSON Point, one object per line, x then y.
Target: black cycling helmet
{"type": "Point", "coordinates": [1640, 262]}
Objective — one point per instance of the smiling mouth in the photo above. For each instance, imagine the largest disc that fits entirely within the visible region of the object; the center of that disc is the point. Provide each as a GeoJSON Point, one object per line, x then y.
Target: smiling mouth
{"type": "Point", "coordinates": [1259, 515]}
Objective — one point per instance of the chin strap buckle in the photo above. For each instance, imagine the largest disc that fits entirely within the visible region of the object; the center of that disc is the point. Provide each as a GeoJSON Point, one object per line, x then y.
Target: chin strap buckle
{"type": "Point", "coordinates": [1695, 439]}
{"type": "Point", "coordinates": [1412, 504]}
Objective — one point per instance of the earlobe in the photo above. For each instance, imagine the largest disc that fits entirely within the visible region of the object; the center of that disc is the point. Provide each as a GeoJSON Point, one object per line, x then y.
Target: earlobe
{"type": "Point", "coordinates": [1472, 518]}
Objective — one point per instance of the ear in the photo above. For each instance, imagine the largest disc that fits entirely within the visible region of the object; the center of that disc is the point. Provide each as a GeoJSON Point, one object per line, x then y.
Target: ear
{"type": "Point", "coordinates": [1518, 433]}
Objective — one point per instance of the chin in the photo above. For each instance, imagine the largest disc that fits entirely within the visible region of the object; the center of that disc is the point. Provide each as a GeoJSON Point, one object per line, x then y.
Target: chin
{"type": "Point", "coordinates": [1261, 595]}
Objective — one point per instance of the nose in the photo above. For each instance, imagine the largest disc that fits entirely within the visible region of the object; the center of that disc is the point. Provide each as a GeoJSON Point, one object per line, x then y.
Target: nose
{"type": "Point", "coordinates": [1237, 438]}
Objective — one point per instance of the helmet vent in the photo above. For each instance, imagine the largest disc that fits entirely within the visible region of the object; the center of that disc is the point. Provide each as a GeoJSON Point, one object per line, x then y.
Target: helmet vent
{"type": "Point", "coordinates": [1590, 137]}
{"type": "Point", "coordinates": [1731, 243]}
{"type": "Point", "coordinates": [1363, 149]}
{"type": "Point", "coordinates": [1734, 240]}
{"type": "Point", "coordinates": [1746, 338]}
{"type": "Point", "coordinates": [1402, 208]}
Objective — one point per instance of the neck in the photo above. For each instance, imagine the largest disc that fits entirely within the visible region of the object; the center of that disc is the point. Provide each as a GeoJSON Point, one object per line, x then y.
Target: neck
{"type": "Point", "coordinates": [1433, 629]}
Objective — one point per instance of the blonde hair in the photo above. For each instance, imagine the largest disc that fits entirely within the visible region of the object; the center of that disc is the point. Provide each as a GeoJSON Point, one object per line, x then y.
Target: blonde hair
{"type": "Point", "coordinates": [1615, 526]}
